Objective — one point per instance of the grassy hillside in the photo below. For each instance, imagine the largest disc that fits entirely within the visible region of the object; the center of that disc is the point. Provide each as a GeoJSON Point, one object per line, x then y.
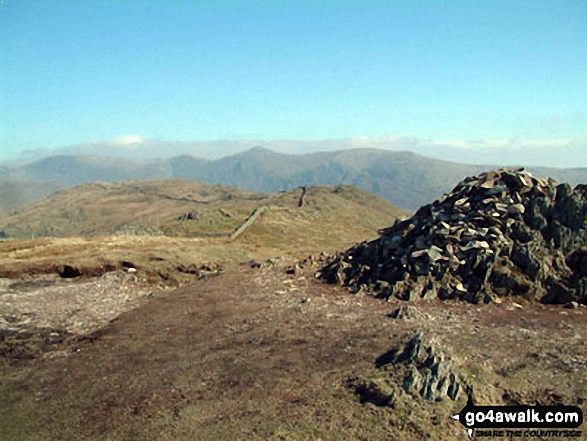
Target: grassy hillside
{"type": "Point", "coordinates": [110, 208]}
{"type": "Point", "coordinates": [329, 217]}
{"type": "Point", "coordinates": [170, 228]}
{"type": "Point", "coordinates": [184, 208]}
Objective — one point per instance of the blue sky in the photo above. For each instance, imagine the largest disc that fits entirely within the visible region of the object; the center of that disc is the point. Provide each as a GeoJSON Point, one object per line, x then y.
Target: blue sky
{"type": "Point", "coordinates": [78, 71]}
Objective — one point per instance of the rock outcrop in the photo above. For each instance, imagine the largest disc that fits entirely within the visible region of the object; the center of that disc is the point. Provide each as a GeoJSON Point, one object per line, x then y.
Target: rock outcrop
{"type": "Point", "coordinates": [432, 375]}
{"type": "Point", "coordinates": [503, 233]}
{"type": "Point", "coordinates": [425, 369]}
{"type": "Point", "coordinates": [192, 215]}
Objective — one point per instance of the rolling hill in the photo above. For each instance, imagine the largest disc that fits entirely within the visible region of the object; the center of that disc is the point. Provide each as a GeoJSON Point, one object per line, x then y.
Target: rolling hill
{"type": "Point", "coordinates": [183, 208]}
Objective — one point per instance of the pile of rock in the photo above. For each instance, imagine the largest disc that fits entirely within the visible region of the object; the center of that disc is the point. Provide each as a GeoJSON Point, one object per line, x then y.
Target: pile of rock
{"type": "Point", "coordinates": [432, 375]}
{"type": "Point", "coordinates": [501, 233]}
{"type": "Point", "coordinates": [426, 371]}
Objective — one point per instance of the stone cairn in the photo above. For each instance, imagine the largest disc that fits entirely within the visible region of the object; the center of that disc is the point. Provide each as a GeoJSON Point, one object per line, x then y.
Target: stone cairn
{"type": "Point", "coordinates": [503, 233]}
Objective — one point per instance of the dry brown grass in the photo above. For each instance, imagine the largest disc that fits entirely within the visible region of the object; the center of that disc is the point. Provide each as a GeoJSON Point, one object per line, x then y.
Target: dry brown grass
{"type": "Point", "coordinates": [102, 209]}
{"type": "Point", "coordinates": [159, 258]}
{"type": "Point", "coordinates": [241, 311]}
{"type": "Point", "coordinates": [331, 219]}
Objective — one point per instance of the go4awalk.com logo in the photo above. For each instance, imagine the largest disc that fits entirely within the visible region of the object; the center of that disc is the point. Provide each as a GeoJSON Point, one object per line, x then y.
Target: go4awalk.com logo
{"type": "Point", "coordinates": [521, 421]}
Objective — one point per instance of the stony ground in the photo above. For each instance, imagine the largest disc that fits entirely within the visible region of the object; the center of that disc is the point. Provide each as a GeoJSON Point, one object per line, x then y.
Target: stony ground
{"type": "Point", "coordinates": [74, 306]}
{"type": "Point", "coordinates": [260, 353]}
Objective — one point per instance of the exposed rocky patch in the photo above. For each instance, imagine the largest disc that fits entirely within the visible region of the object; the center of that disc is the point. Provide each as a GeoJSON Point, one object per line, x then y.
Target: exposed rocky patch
{"type": "Point", "coordinates": [72, 305]}
{"type": "Point", "coordinates": [431, 373]}
{"type": "Point", "coordinates": [406, 312]}
{"type": "Point", "coordinates": [503, 233]}
{"type": "Point", "coordinates": [192, 215]}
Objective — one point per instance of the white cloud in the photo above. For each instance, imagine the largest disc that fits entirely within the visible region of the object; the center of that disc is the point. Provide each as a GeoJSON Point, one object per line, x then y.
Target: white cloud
{"type": "Point", "coordinates": [128, 139]}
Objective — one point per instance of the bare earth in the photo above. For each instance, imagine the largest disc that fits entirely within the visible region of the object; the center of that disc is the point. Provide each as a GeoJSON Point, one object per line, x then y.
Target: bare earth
{"type": "Point", "coordinates": [255, 354]}
{"type": "Point", "coordinates": [78, 307]}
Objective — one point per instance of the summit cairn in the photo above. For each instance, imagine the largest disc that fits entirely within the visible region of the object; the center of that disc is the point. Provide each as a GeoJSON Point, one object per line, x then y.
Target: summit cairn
{"type": "Point", "coordinates": [502, 233]}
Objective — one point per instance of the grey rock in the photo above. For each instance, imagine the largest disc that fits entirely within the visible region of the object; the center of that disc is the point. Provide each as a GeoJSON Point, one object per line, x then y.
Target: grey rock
{"type": "Point", "coordinates": [431, 373]}
{"type": "Point", "coordinates": [524, 259]}
{"type": "Point", "coordinates": [192, 215]}
{"type": "Point", "coordinates": [581, 290]}
{"type": "Point", "coordinates": [460, 241]}
{"type": "Point", "coordinates": [226, 213]}
{"type": "Point", "coordinates": [516, 210]}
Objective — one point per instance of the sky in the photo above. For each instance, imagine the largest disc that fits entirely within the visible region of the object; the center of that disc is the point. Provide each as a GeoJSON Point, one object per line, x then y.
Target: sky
{"type": "Point", "coordinates": [467, 73]}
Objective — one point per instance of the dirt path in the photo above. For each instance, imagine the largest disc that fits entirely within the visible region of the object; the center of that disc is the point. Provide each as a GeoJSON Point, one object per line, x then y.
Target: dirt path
{"type": "Point", "coordinates": [252, 344]}
{"type": "Point", "coordinates": [261, 354]}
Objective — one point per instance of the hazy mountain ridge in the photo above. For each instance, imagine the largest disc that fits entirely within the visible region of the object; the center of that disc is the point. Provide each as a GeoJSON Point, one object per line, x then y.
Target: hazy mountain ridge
{"type": "Point", "coordinates": [406, 179]}
{"type": "Point", "coordinates": [512, 151]}
{"type": "Point", "coordinates": [17, 193]}
{"type": "Point", "coordinates": [71, 170]}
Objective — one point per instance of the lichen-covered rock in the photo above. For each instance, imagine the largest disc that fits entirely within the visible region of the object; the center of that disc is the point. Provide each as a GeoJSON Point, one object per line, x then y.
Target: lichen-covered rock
{"type": "Point", "coordinates": [503, 233]}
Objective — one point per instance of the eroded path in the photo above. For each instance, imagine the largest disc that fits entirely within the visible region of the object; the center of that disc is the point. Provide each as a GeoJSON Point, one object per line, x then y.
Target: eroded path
{"type": "Point", "coordinates": [262, 354]}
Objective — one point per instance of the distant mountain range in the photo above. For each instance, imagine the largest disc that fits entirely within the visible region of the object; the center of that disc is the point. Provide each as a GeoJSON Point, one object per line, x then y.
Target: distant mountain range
{"type": "Point", "coordinates": [561, 153]}
{"type": "Point", "coordinates": [406, 179]}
